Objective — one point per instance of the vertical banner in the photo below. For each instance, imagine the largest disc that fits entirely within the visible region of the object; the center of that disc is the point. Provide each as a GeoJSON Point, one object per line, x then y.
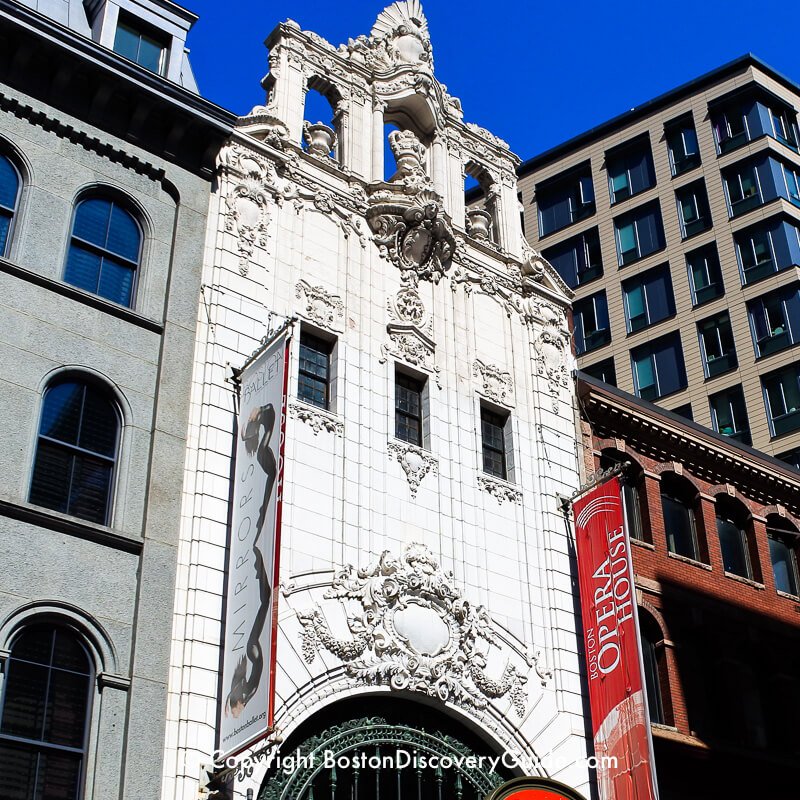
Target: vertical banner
{"type": "Point", "coordinates": [247, 687]}
{"type": "Point", "coordinates": [620, 718]}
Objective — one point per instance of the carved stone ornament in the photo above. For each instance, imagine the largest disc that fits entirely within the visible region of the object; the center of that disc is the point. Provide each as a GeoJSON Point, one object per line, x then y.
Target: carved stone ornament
{"type": "Point", "coordinates": [320, 139]}
{"type": "Point", "coordinates": [479, 224]}
{"type": "Point", "coordinates": [409, 154]}
{"type": "Point", "coordinates": [551, 361]}
{"type": "Point", "coordinates": [416, 238]}
{"type": "Point", "coordinates": [412, 630]}
{"type": "Point", "coordinates": [409, 344]}
{"type": "Point", "coordinates": [247, 219]}
{"type": "Point", "coordinates": [321, 307]}
{"type": "Point", "coordinates": [416, 463]}
{"type": "Point", "coordinates": [316, 418]}
{"type": "Point", "coordinates": [501, 490]}
{"type": "Point", "coordinates": [496, 384]}
{"type": "Point", "coordinates": [399, 37]}
{"type": "Point", "coordinates": [261, 124]}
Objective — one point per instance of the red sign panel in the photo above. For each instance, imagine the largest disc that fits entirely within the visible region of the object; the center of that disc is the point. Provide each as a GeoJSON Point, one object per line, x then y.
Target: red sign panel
{"type": "Point", "coordinates": [620, 721]}
{"type": "Point", "coordinates": [534, 789]}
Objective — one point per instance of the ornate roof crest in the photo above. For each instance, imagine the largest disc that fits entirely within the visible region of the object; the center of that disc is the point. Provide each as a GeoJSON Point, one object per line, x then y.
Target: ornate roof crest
{"type": "Point", "coordinates": [401, 33]}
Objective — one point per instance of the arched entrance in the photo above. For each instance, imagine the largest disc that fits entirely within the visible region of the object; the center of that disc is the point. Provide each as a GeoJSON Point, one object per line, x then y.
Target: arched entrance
{"type": "Point", "coordinates": [379, 750]}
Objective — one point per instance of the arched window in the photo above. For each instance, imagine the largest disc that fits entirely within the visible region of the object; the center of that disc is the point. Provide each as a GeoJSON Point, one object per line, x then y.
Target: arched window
{"type": "Point", "coordinates": [45, 709]}
{"type": "Point", "coordinates": [76, 450]}
{"type": "Point", "coordinates": [104, 250]}
{"type": "Point", "coordinates": [678, 501]}
{"type": "Point", "coordinates": [732, 523]}
{"type": "Point", "coordinates": [783, 541]}
{"type": "Point", "coordinates": [650, 635]}
{"type": "Point", "coordinates": [633, 493]}
{"type": "Point", "coordinates": [9, 193]}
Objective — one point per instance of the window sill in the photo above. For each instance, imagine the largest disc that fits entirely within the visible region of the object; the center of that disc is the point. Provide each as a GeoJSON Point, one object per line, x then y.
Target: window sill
{"type": "Point", "coordinates": [793, 597]}
{"type": "Point", "coordinates": [641, 543]}
{"type": "Point", "coordinates": [80, 296]}
{"type": "Point", "coordinates": [686, 560]}
{"type": "Point", "coordinates": [73, 526]}
{"type": "Point", "coordinates": [745, 581]}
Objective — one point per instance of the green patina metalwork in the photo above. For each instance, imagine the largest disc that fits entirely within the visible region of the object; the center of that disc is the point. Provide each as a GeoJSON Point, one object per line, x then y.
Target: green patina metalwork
{"type": "Point", "coordinates": [375, 736]}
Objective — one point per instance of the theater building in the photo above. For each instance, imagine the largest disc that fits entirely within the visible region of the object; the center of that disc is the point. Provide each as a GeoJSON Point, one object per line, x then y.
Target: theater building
{"type": "Point", "coordinates": [425, 597]}
{"type": "Point", "coordinates": [715, 527]}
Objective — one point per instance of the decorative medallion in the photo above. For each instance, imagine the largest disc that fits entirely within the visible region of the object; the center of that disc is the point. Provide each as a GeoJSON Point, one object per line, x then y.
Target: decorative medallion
{"type": "Point", "coordinates": [551, 362]}
{"type": "Point", "coordinates": [321, 307]}
{"type": "Point", "coordinates": [411, 630]}
{"type": "Point", "coordinates": [316, 418]}
{"type": "Point", "coordinates": [416, 463]}
{"type": "Point", "coordinates": [496, 384]}
{"type": "Point", "coordinates": [501, 490]}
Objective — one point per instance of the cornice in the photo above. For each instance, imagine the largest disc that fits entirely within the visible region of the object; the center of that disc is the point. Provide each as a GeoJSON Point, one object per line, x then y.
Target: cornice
{"type": "Point", "coordinates": [705, 453]}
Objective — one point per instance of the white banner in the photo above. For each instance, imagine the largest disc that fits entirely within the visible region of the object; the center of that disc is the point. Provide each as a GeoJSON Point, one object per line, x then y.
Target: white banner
{"type": "Point", "coordinates": [247, 692]}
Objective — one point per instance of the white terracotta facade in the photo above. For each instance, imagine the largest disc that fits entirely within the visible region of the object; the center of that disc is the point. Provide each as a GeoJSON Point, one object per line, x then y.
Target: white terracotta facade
{"type": "Point", "coordinates": [399, 279]}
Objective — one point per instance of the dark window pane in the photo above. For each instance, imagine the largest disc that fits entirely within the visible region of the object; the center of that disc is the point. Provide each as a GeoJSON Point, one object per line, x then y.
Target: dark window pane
{"type": "Point", "coordinates": [116, 282]}
{"type": "Point", "coordinates": [150, 53]}
{"type": "Point", "coordinates": [52, 474]}
{"type": "Point", "coordinates": [59, 776]}
{"type": "Point", "coordinates": [92, 218]}
{"type": "Point", "coordinates": [732, 543]}
{"type": "Point", "coordinates": [83, 269]}
{"type": "Point", "coordinates": [78, 420]}
{"type": "Point", "coordinates": [68, 653]}
{"type": "Point", "coordinates": [9, 184]}
{"type": "Point", "coordinates": [493, 443]}
{"type": "Point", "coordinates": [126, 42]}
{"type": "Point", "coordinates": [408, 409]}
{"type": "Point", "coordinates": [66, 709]}
{"type": "Point", "coordinates": [679, 527]}
{"type": "Point", "coordinates": [90, 490]}
{"type": "Point", "coordinates": [784, 565]}
{"type": "Point", "coordinates": [5, 225]}
{"type": "Point", "coordinates": [24, 703]}
{"type": "Point", "coordinates": [314, 370]}
{"type": "Point", "coordinates": [123, 234]}
{"type": "Point", "coordinates": [651, 680]}
{"type": "Point", "coordinates": [17, 771]}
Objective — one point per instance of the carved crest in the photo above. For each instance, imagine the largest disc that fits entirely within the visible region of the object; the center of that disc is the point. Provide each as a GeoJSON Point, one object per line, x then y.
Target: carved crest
{"type": "Point", "coordinates": [411, 630]}
{"type": "Point", "coordinates": [322, 307]}
{"type": "Point", "coordinates": [416, 238]}
{"type": "Point", "coordinates": [496, 384]}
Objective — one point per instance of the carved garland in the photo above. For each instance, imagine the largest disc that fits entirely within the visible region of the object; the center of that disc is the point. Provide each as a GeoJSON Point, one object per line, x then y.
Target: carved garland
{"type": "Point", "coordinates": [411, 630]}
{"type": "Point", "coordinates": [320, 306]}
{"type": "Point", "coordinates": [316, 418]}
{"type": "Point", "coordinates": [416, 463]}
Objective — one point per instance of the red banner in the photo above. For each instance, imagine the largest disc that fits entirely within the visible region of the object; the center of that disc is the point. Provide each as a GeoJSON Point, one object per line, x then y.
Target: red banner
{"type": "Point", "coordinates": [620, 720]}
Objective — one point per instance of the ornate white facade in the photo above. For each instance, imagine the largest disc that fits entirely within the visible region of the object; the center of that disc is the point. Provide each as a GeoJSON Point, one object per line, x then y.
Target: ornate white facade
{"type": "Point", "coordinates": [406, 571]}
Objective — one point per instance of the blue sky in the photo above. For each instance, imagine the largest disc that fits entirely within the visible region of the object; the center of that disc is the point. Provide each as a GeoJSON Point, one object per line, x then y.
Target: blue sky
{"type": "Point", "coordinates": [535, 73]}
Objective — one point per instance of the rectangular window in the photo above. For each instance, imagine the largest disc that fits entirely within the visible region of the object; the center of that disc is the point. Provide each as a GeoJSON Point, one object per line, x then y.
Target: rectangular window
{"type": "Point", "coordinates": [577, 260]}
{"type": "Point", "coordinates": [717, 345]}
{"type": "Point", "coordinates": [648, 298]}
{"type": "Point", "coordinates": [639, 233]}
{"type": "Point", "coordinates": [775, 320]}
{"type": "Point", "coordinates": [792, 178]}
{"type": "Point", "coordinates": [565, 199]}
{"type": "Point", "coordinates": [658, 367]}
{"type": "Point", "coordinates": [782, 393]}
{"type": "Point", "coordinates": [783, 554]}
{"type": "Point", "coordinates": [684, 153]}
{"type": "Point", "coordinates": [705, 275]}
{"type": "Point", "coordinates": [590, 320]}
{"type": "Point", "coordinates": [493, 442]}
{"type": "Point", "coordinates": [684, 411]}
{"type": "Point", "coordinates": [521, 205]}
{"type": "Point", "coordinates": [693, 212]}
{"type": "Point", "coordinates": [140, 46]}
{"type": "Point", "coordinates": [314, 374]}
{"type": "Point", "coordinates": [729, 414]}
{"type": "Point", "coordinates": [743, 190]}
{"type": "Point", "coordinates": [755, 254]}
{"type": "Point", "coordinates": [792, 458]}
{"type": "Point", "coordinates": [603, 371]}
{"type": "Point", "coordinates": [679, 526]}
{"type": "Point", "coordinates": [408, 399]}
{"type": "Point", "coordinates": [731, 128]}
{"type": "Point", "coordinates": [784, 126]}
{"type": "Point", "coordinates": [630, 172]}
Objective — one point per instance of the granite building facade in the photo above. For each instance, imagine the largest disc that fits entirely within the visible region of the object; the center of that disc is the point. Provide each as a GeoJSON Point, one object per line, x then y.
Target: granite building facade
{"type": "Point", "coordinates": [106, 157]}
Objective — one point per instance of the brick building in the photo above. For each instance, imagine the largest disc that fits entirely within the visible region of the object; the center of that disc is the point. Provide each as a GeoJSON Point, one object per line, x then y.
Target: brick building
{"type": "Point", "coordinates": [714, 526]}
